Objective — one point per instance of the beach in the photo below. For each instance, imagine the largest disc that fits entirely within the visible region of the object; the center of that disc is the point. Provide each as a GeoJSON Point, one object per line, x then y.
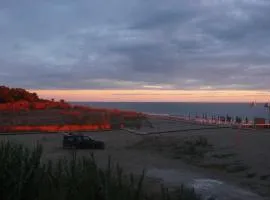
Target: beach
{"type": "Point", "coordinates": [237, 162]}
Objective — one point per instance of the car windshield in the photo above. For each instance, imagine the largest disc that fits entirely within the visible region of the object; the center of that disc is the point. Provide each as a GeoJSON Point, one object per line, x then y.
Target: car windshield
{"type": "Point", "coordinates": [86, 138]}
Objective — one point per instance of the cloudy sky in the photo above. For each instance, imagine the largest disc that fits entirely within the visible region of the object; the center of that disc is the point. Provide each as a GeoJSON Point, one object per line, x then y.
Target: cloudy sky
{"type": "Point", "coordinates": [136, 45]}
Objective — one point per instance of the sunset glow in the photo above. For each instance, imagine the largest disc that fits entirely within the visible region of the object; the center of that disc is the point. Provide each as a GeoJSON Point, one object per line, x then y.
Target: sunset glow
{"type": "Point", "coordinates": [156, 95]}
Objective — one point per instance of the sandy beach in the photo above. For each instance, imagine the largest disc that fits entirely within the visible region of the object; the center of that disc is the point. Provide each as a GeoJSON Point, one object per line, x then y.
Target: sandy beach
{"type": "Point", "coordinates": [231, 164]}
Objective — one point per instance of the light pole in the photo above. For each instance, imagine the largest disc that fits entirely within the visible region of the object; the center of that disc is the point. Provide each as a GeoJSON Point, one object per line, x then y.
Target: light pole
{"type": "Point", "coordinates": [253, 104]}
{"type": "Point", "coordinates": [267, 106]}
{"type": "Point", "coordinates": [268, 109]}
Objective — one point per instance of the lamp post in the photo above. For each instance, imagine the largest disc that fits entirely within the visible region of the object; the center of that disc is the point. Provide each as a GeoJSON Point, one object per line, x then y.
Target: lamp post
{"type": "Point", "coordinates": [267, 106]}
{"type": "Point", "coordinates": [268, 109]}
{"type": "Point", "coordinates": [253, 104]}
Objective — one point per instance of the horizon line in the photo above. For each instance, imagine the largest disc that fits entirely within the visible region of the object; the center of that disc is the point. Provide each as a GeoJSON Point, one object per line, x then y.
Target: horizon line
{"type": "Point", "coordinates": [239, 102]}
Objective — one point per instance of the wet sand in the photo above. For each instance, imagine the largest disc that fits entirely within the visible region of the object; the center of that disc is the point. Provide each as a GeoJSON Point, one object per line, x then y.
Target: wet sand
{"type": "Point", "coordinates": [251, 148]}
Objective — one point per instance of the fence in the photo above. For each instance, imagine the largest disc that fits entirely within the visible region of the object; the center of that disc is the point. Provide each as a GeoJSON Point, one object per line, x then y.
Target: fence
{"type": "Point", "coordinates": [256, 124]}
{"type": "Point", "coordinates": [54, 128]}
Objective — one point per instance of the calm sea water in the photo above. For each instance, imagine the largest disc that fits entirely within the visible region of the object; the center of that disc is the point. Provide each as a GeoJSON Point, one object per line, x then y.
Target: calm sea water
{"type": "Point", "coordinates": [232, 109]}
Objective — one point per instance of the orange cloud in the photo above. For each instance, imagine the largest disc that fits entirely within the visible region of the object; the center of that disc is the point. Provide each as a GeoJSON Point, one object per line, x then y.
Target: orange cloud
{"type": "Point", "coordinates": [156, 95]}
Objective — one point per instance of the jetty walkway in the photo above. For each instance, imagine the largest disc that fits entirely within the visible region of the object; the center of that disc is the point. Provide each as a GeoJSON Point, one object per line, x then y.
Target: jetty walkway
{"type": "Point", "coordinates": [211, 122]}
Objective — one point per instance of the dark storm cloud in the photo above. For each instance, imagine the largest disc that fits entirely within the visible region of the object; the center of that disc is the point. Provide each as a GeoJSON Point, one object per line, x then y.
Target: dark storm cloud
{"type": "Point", "coordinates": [202, 44]}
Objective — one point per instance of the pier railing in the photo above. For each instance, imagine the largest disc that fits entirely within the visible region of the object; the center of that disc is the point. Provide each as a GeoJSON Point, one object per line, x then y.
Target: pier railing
{"type": "Point", "coordinates": [212, 122]}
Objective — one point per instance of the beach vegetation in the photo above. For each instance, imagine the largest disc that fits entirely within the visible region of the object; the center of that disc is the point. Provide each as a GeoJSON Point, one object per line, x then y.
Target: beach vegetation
{"type": "Point", "coordinates": [26, 175]}
{"type": "Point", "coordinates": [8, 95]}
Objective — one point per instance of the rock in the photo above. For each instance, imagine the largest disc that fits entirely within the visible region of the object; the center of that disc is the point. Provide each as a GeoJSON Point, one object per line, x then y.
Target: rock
{"type": "Point", "coordinates": [251, 174]}
{"type": "Point", "coordinates": [265, 177]}
{"type": "Point", "coordinates": [236, 168]}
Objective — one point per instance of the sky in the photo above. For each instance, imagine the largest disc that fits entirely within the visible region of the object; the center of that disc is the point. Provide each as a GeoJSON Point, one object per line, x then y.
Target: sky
{"type": "Point", "coordinates": [137, 50]}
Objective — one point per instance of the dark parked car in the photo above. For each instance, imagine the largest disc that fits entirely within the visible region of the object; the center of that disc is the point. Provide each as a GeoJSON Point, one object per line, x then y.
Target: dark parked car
{"type": "Point", "coordinates": [81, 142]}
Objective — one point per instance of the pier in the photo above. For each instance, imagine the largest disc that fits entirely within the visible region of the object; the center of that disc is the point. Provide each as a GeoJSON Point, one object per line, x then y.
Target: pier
{"type": "Point", "coordinates": [251, 124]}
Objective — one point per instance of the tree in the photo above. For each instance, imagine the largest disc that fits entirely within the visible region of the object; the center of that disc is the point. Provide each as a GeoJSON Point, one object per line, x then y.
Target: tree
{"type": "Point", "coordinates": [8, 95]}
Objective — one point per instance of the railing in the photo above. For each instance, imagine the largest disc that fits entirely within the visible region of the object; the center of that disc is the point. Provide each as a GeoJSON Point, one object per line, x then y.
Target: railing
{"type": "Point", "coordinates": [203, 121]}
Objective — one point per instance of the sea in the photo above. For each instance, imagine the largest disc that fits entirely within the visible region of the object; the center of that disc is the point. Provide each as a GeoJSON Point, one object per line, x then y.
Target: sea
{"type": "Point", "coordinates": [185, 109]}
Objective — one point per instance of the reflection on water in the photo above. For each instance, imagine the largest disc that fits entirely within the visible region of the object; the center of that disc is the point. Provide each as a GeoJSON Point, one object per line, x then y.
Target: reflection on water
{"type": "Point", "coordinates": [204, 186]}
